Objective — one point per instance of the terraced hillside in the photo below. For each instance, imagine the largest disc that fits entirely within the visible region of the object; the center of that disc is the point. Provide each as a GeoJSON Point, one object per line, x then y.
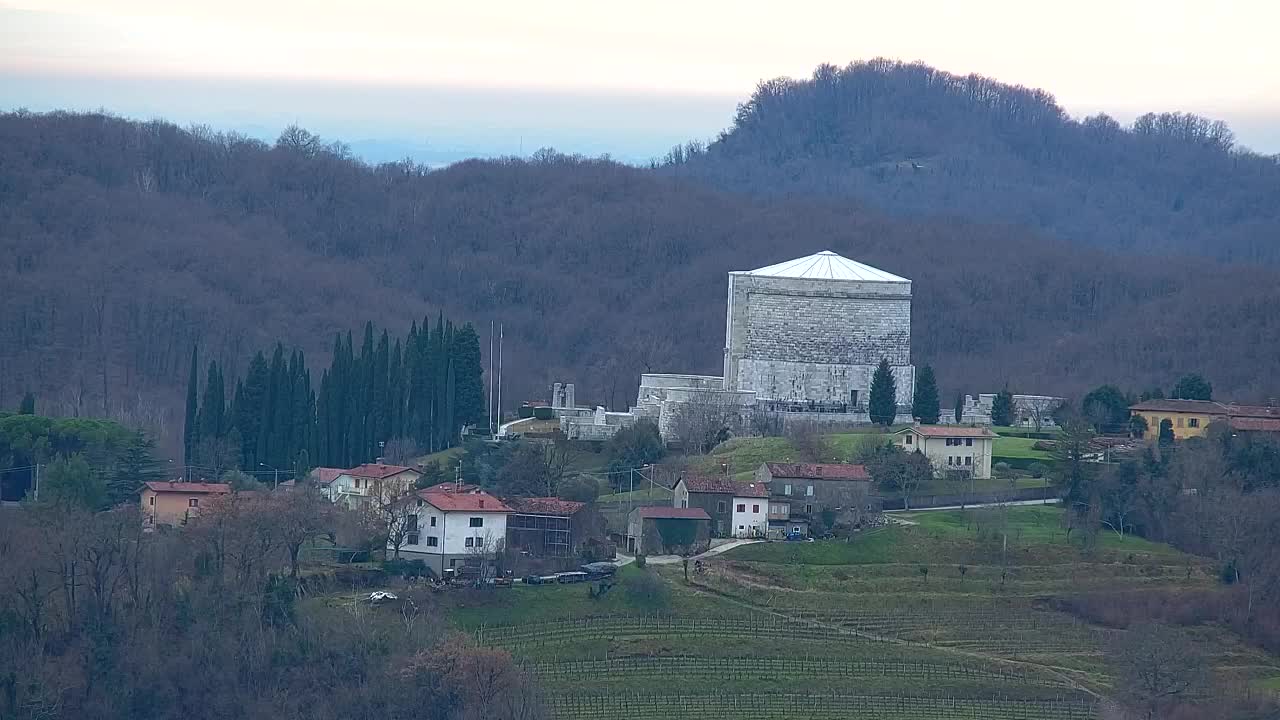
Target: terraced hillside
{"type": "Point", "coordinates": [950, 616]}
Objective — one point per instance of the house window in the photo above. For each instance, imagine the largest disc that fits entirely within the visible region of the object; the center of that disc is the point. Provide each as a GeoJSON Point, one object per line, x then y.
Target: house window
{"type": "Point", "coordinates": [411, 524]}
{"type": "Point", "coordinates": [742, 507]}
{"type": "Point", "coordinates": [432, 541]}
{"type": "Point", "coordinates": [968, 461]}
{"type": "Point", "coordinates": [433, 521]}
{"type": "Point", "coordinates": [419, 502]}
{"type": "Point", "coordinates": [968, 442]}
{"type": "Point", "coordinates": [1193, 422]}
{"type": "Point", "coordinates": [786, 489]}
{"type": "Point", "coordinates": [755, 508]}
{"type": "Point", "coordinates": [742, 527]}
{"type": "Point", "coordinates": [193, 502]}
{"type": "Point", "coordinates": [853, 398]}
{"type": "Point", "coordinates": [357, 483]}
{"type": "Point", "coordinates": [470, 542]}
{"type": "Point", "coordinates": [684, 503]}
{"type": "Point", "coordinates": [411, 539]}
{"type": "Point", "coordinates": [151, 500]}
{"type": "Point", "coordinates": [477, 522]}
{"type": "Point", "coordinates": [908, 439]}
{"type": "Point", "coordinates": [479, 542]}
{"type": "Point", "coordinates": [453, 562]}
{"type": "Point", "coordinates": [1180, 421]}
{"type": "Point", "coordinates": [808, 509]}
{"type": "Point", "coordinates": [808, 490]}
{"type": "Point", "coordinates": [721, 507]}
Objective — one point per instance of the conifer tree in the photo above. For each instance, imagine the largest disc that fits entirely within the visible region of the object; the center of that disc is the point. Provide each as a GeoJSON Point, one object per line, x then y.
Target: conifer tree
{"type": "Point", "coordinates": [212, 414]}
{"type": "Point", "coordinates": [1002, 411]}
{"type": "Point", "coordinates": [468, 371]}
{"type": "Point", "coordinates": [28, 404]}
{"type": "Point", "coordinates": [883, 404]}
{"type": "Point", "coordinates": [924, 405]}
{"type": "Point", "coordinates": [190, 427]}
{"type": "Point", "coordinates": [959, 406]}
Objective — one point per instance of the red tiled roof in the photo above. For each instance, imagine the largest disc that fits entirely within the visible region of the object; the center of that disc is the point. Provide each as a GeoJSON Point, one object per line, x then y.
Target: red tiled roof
{"type": "Point", "coordinates": [1255, 424]}
{"type": "Point", "coordinates": [189, 487]}
{"type": "Point", "coordinates": [818, 471]}
{"type": "Point", "coordinates": [545, 506]}
{"type": "Point", "coordinates": [479, 501]}
{"type": "Point", "coordinates": [377, 471]}
{"type": "Point", "coordinates": [325, 475]}
{"type": "Point", "coordinates": [724, 486]}
{"type": "Point", "coordinates": [950, 431]}
{"type": "Point", "coordinates": [664, 512]}
{"type": "Point", "coordinates": [1253, 411]}
{"type": "Point", "coordinates": [1208, 407]}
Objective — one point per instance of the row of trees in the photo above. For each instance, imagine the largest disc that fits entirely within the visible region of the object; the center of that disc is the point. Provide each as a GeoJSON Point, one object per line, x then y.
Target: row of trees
{"type": "Point", "coordinates": [414, 394]}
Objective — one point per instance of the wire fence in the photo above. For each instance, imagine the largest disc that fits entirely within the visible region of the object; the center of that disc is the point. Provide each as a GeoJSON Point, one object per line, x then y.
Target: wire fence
{"type": "Point", "coordinates": [814, 706]}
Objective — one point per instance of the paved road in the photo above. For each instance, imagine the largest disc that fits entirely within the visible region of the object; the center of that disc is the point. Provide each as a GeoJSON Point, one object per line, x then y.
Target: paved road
{"type": "Point", "coordinates": [1048, 501]}
{"type": "Point", "coordinates": [676, 559]}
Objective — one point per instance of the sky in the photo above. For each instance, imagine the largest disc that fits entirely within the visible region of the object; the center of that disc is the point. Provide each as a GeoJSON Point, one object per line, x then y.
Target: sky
{"type": "Point", "coordinates": [444, 80]}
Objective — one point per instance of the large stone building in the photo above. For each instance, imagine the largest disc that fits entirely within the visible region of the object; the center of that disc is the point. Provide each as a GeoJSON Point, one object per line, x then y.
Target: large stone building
{"type": "Point", "coordinates": [813, 330]}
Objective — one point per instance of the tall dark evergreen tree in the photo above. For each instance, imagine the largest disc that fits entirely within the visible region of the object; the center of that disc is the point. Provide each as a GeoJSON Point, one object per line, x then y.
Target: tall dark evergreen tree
{"type": "Point", "coordinates": [959, 406]}
{"type": "Point", "coordinates": [924, 405]}
{"type": "Point", "coordinates": [213, 410]}
{"type": "Point", "coordinates": [1002, 411]}
{"type": "Point", "coordinates": [250, 402]}
{"type": "Point", "coordinates": [137, 465]}
{"type": "Point", "coordinates": [28, 404]}
{"type": "Point", "coordinates": [468, 369]}
{"type": "Point", "coordinates": [190, 426]}
{"type": "Point", "coordinates": [1192, 387]}
{"type": "Point", "coordinates": [883, 404]}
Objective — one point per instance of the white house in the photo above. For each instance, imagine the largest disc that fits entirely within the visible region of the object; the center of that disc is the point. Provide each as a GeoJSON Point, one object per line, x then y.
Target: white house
{"type": "Point", "coordinates": [951, 448]}
{"type": "Point", "coordinates": [374, 482]}
{"type": "Point", "coordinates": [737, 509]}
{"type": "Point", "coordinates": [453, 529]}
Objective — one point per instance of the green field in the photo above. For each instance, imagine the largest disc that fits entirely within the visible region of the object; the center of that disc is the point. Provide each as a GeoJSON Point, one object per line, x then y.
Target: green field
{"type": "Point", "coordinates": [1017, 447]}
{"type": "Point", "coordinates": [945, 617]}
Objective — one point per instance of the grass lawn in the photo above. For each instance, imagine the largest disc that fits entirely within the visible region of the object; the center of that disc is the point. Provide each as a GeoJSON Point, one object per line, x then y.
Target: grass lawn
{"type": "Point", "coordinates": [444, 457]}
{"type": "Point", "coordinates": [1016, 447]}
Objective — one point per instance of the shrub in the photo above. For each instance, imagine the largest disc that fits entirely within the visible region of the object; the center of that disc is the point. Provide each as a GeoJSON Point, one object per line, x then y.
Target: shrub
{"type": "Point", "coordinates": [1002, 469]}
{"type": "Point", "coordinates": [647, 590]}
{"type": "Point", "coordinates": [640, 560]}
{"type": "Point", "coordinates": [1038, 470]}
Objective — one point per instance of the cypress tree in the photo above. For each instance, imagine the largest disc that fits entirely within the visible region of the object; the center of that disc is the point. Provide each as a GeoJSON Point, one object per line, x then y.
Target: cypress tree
{"type": "Point", "coordinates": [883, 404]}
{"type": "Point", "coordinates": [959, 406]}
{"type": "Point", "coordinates": [137, 465]}
{"type": "Point", "coordinates": [213, 410]}
{"type": "Point", "coordinates": [924, 405]}
{"type": "Point", "coordinates": [380, 392]}
{"type": "Point", "coordinates": [250, 403]}
{"type": "Point", "coordinates": [395, 392]}
{"type": "Point", "coordinates": [28, 404]}
{"type": "Point", "coordinates": [1002, 408]}
{"type": "Point", "coordinates": [468, 368]}
{"type": "Point", "coordinates": [190, 427]}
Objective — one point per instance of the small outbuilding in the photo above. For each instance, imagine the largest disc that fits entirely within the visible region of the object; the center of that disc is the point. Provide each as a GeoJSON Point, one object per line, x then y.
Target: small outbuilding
{"type": "Point", "coordinates": [664, 530]}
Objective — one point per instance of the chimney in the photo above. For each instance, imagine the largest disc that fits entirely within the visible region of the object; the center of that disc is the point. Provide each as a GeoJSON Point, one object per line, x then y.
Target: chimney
{"type": "Point", "coordinates": [378, 461]}
{"type": "Point", "coordinates": [481, 502]}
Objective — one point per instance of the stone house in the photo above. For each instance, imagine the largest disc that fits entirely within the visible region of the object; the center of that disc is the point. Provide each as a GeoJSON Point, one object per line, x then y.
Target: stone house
{"type": "Point", "coordinates": [173, 503]}
{"type": "Point", "coordinates": [808, 489]}
{"type": "Point", "coordinates": [954, 449]}
{"type": "Point", "coordinates": [736, 509]}
{"type": "Point", "coordinates": [661, 530]}
{"type": "Point", "coordinates": [551, 527]}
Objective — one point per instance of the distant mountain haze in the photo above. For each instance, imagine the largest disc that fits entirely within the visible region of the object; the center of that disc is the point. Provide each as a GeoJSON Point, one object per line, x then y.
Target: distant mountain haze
{"type": "Point", "coordinates": [1046, 253]}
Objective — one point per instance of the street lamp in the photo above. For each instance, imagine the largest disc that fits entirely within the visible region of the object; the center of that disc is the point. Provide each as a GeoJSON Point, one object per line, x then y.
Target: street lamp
{"type": "Point", "coordinates": [276, 471]}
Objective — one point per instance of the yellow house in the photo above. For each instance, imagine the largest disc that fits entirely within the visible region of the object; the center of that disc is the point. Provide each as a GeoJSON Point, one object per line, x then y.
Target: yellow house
{"type": "Point", "coordinates": [1189, 418]}
{"type": "Point", "coordinates": [173, 503]}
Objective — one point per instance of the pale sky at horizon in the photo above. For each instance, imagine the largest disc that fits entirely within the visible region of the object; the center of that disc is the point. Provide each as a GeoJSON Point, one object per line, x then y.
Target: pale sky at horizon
{"type": "Point", "coordinates": [635, 77]}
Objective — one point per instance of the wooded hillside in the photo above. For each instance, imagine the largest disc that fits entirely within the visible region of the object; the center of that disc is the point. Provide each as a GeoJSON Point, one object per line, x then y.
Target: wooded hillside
{"type": "Point", "coordinates": [125, 243]}
{"type": "Point", "coordinates": [916, 140]}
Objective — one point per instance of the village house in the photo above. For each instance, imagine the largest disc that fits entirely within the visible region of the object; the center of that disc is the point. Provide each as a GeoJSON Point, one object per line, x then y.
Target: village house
{"type": "Point", "coordinates": [451, 529]}
{"type": "Point", "coordinates": [952, 449]}
{"type": "Point", "coordinates": [173, 503]}
{"type": "Point", "coordinates": [373, 482]}
{"type": "Point", "coordinates": [805, 490]}
{"type": "Point", "coordinates": [662, 530]}
{"type": "Point", "coordinates": [736, 509]}
{"type": "Point", "coordinates": [1191, 418]}
{"type": "Point", "coordinates": [550, 527]}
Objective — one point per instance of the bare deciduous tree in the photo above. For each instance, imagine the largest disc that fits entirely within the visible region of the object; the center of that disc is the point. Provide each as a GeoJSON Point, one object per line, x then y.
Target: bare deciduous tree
{"type": "Point", "coordinates": [1156, 666]}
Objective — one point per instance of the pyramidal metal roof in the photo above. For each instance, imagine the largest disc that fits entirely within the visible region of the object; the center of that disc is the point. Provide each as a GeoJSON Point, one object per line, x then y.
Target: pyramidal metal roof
{"type": "Point", "coordinates": [825, 265]}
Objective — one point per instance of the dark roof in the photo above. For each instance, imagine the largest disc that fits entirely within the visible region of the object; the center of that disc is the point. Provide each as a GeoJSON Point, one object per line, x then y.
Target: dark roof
{"type": "Point", "coordinates": [1253, 411]}
{"type": "Point", "coordinates": [1196, 406]}
{"type": "Point", "coordinates": [448, 487]}
{"type": "Point", "coordinates": [189, 487]}
{"type": "Point", "coordinates": [724, 486]}
{"type": "Point", "coordinates": [545, 506]}
{"type": "Point", "coordinates": [325, 475]}
{"type": "Point", "coordinates": [818, 471]}
{"type": "Point", "coordinates": [377, 471]}
{"type": "Point", "coordinates": [949, 431]}
{"type": "Point", "coordinates": [661, 512]}
{"type": "Point", "coordinates": [478, 501]}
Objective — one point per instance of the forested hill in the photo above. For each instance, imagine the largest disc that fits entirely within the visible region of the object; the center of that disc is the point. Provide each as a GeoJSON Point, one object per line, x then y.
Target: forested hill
{"type": "Point", "coordinates": [912, 139]}
{"type": "Point", "coordinates": [124, 243]}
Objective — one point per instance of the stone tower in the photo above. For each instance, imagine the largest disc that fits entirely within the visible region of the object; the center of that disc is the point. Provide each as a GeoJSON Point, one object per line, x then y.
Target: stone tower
{"type": "Point", "coordinates": [814, 329]}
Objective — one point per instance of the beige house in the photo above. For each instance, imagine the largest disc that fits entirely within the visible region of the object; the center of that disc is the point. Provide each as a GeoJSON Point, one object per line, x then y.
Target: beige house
{"type": "Point", "coordinates": [173, 503]}
{"type": "Point", "coordinates": [372, 483]}
{"type": "Point", "coordinates": [951, 449]}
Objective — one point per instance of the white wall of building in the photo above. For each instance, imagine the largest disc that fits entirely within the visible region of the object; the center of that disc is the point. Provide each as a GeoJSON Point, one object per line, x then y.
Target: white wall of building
{"type": "Point", "coordinates": [753, 519]}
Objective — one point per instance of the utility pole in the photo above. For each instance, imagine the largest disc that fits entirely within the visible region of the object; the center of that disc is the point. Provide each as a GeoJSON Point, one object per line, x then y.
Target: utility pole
{"type": "Point", "coordinates": [492, 430]}
{"type": "Point", "coordinates": [36, 490]}
{"type": "Point", "coordinates": [499, 406]}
